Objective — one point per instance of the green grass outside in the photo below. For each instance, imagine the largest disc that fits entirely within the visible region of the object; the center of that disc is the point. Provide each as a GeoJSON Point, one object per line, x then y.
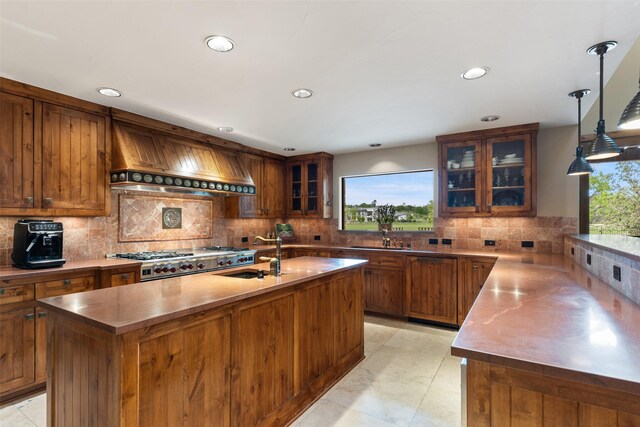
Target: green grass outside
{"type": "Point", "coordinates": [373, 226]}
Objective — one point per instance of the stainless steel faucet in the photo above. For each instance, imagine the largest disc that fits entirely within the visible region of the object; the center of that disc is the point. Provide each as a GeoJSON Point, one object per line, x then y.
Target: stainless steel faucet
{"type": "Point", "coordinates": [278, 242]}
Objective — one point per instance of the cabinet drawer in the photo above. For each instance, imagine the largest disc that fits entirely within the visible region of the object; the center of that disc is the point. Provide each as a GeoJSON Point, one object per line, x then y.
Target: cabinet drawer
{"type": "Point", "coordinates": [16, 293]}
{"type": "Point", "coordinates": [385, 260]}
{"type": "Point", "coordinates": [119, 279]}
{"type": "Point", "coordinates": [64, 286]}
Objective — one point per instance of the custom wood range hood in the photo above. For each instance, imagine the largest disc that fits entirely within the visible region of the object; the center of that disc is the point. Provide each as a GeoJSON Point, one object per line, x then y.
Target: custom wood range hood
{"type": "Point", "coordinates": [151, 160]}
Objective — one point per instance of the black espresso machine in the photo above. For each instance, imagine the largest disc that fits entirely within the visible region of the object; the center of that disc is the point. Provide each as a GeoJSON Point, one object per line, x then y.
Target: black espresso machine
{"type": "Point", "coordinates": [37, 243]}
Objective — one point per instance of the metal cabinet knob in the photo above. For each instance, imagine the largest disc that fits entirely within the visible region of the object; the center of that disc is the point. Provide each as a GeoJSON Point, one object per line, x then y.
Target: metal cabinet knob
{"type": "Point", "coordinates": [29, 316]}
{"type": "Point", "coordinates": [489, 207]}
{"type": "Point", "coordinates": [42, 314]}
{"type": "Point", "coordinates": [1, 291]}
{"type": "Point", "coordinates": [66, 283]}
{"type": "Point", "coordinates": [475, 267]}
{"type": "Point", "coordinates": [28, 199]}
{"type": "Point", "coordinates": [124, 276]}
{"type": "Point", "coordinates": [48, 201]}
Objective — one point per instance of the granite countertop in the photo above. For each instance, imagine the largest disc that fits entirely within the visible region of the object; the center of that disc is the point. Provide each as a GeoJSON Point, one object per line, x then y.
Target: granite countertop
{"type": "Point", "coordinates": [11, 273]}
{"type": "Point", "coordinates": [126, 308]}
{"type": "Point", "coordinates": [622, 245]}
{"type": "Point", "coordinates": [554, 318]}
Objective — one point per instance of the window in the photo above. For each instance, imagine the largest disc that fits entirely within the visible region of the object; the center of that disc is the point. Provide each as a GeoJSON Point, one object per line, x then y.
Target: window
{"type": "Point", "coordinates": [610, 197]}
{"type": "Point", "coordinates": [411, 193]}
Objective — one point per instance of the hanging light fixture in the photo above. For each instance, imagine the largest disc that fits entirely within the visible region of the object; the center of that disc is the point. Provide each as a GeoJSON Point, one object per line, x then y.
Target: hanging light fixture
{"type": "Point", "coordinates": [630, 118]}
{"type": "Point", "coordinates": [603, 147]}
{"type": "Point", "coordinates": [579, 166]}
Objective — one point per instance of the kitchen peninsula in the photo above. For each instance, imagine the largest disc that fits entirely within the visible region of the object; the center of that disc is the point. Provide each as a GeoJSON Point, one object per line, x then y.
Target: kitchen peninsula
{"type": "Point", "coordinates": [205, 349]}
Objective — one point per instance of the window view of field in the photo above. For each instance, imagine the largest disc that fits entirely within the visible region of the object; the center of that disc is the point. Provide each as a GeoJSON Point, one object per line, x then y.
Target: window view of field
{"type": "Point", "coordinates": [411, 193]}
{"type": "Point", "coordinates": [614, 198]}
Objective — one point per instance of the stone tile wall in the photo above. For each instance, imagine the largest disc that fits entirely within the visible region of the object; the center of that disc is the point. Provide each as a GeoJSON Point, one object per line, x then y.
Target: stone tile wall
{"type": "Point", "coordinates": [602, 262]}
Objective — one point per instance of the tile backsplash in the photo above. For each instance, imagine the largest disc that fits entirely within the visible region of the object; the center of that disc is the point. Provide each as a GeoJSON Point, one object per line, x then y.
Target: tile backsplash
{"type": "Point", "coordinates": [87, 238]}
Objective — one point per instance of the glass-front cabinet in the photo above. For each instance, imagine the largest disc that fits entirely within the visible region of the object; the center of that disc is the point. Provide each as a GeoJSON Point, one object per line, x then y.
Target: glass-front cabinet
{"type": "Point", "coordinates": [309, 186]}
{"type": "Point", "coordinates": [488, 173]}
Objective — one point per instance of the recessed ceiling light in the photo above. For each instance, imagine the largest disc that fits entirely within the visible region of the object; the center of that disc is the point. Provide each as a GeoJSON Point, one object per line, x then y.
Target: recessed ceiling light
{"type": "Point", "coordinates": [474, 73]}
{"type": "Point", "coordinates": [108, 91]}
{"type": "Point", "coordinates": [302, 93]}
{"type": "Point", "coordinates": [219, 43]}
{"type": "Point", "coordinates": [289, 149]}
{"type": "Point", "coordinates": [374, 145]}
{"type": "Point", "coordinates": [225, 129]}
{"type": "Point", "coordinates": [492, 118]}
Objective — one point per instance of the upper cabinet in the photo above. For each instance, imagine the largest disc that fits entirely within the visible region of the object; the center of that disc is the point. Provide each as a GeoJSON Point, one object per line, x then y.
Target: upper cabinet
{"type": "Point", "coordinates": [309, 186]}
{"type": "Point", "coordinates": [488, 173]}
{"type": "Point", "coordinates": [55, 154]}
{"type": "Point", "coordinates": [269, 177]}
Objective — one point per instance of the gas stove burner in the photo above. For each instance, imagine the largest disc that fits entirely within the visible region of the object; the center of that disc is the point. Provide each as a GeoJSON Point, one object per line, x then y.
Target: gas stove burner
{"type": "Point", "coordinates": [144, 256]}
{"type": "Point", "coordinates": [226, 248]}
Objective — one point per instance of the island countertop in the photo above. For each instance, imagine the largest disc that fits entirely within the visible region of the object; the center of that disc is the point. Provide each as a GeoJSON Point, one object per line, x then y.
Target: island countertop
{"type": "Point", "coordinates": [126, 308]}
{"type": "Point", "coordinates": [552, 317]}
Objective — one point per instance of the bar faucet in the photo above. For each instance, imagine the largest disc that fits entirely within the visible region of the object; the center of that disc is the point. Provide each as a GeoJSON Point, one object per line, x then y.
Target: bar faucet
{"type": "Point", "coordinates": [278, 242]}
{"type": "Point", "coordinates": [386, 242]}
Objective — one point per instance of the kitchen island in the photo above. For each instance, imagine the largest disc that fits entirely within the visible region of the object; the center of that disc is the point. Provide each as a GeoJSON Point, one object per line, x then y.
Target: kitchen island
{"type": "Point", "coordinates": [205, 349]}
{"type": "Point", "coordinates": [549, 344]}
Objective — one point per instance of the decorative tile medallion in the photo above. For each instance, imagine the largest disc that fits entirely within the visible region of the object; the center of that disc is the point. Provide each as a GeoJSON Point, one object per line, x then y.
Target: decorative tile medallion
{"type": "Point", "coordinates": [171, 218]}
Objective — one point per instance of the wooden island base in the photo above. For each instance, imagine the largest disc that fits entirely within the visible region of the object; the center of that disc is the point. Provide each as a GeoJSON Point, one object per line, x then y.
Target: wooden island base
{"type": "Point", "coordinates": [259, 361]}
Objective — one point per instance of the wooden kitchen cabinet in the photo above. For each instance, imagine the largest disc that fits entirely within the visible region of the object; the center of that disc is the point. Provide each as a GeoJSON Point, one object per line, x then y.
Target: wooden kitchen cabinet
{"type": "Point", "coordinates": [472, 273]}
{"type": "Point", "coordinates": [309, 186]}
{"type": "Point", "coordinates": [16, 146]}
{"type": "Point", "coordinates": [384, 290]}
{"type": "Point", "coordinates": [269, 177]}
{"type": "Point", "coordinates": [17, 348]}
{"type": "Point", "coordinates": [118, 276]}
{"type": "Point", "coordinates": [53, 288]}
{"type": "Point", "coordinates": [431, 288]}
{"type": "Point", "coordinates": [488, 173]}
{"type": "Point", "coordinates": [56, 153]}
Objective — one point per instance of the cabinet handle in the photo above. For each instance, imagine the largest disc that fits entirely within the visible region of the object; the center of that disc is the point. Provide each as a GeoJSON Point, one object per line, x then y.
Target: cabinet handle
{"type": "Point", "coordinates": [28, 199]}
{"type": "Point", "coordinates": [66, 283]}
{"type": "Point", "coordinates": [477, 208]}
{"type": "Point", "coordinates": [489, 207]}
{"type": "Point", "coordinates": [475, 267]}
{"type": "Point", "coordinates": [42, 314]}
{"type": "Point", "coordinates": [1, 291]}
{"type": "Point", "coordinates": [48, 201]}
{"type": "Point", "coordinates": [29, 316]}
{"type": "Point", "coordinates": [124, 276]}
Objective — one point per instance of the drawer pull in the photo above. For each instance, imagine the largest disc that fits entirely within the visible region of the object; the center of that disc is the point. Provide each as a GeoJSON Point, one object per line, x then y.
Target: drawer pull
{"type": "Point", "coordinates": [475, 267]}
{"type": "Point", "coordinates": [124, 276]}
{"type": "Point", "coordinates": [1, 291]}
{"type": "Point", "coordinates": [28, 199]}
{"type": "Point", "coordinates": [48, 201]}
{"type": "Point", "coordinates": [42, 314]}
{"type": "Point", "coordinates": [67, 283]}
{"type": "Point", "coordinates": [29, 316]}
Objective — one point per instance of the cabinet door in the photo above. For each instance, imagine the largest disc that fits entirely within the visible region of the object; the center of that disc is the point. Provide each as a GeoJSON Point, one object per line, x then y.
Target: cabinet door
{"type": "Point", "coordinates": [41, 345]}
{"type": "Point", "coordinates": [383, 290]}
{"type": "Point", "coordinates": [473, 274]}
{"type": "Point", "coordinates": [431, 285]}
{"type": "Point", "coordinates": [74, 160]}
{"type": "Point", "coordinates": [273, 186]}
{"type": "Point", "coordinates": [460, 178]}
{"type": "Point", "coordinates": [348, 314]}
{"type": "Point", "coordinates": [509, 178]}
{"type": "Point", "coordinates": [297, 189]}
{"type": "Point", "coordinates": [17, 332]}
{"type": "Point", "coordinates": [313, 185]}
{"type": "Point", "coordinates": [16, 146]}
{"type": "Point", "coordinates": [120, 279]}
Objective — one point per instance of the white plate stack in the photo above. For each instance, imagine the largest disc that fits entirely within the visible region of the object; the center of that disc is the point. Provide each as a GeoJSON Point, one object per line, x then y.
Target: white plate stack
{"type": "Point", "coordinates": [468, 159]}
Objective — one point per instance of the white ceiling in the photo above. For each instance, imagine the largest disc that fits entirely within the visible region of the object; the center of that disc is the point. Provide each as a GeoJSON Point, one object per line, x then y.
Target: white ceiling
{"type": "Point", "coordinates": [382, 71]}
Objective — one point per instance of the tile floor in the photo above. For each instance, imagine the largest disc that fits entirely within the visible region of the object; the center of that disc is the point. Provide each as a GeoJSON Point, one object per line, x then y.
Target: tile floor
{"type": "Point", "coordinates": [408, 379]}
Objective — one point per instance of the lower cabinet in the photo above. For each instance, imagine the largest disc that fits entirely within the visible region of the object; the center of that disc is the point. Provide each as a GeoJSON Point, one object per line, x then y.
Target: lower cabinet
{"type": "Point", "coordinates": [384, 290]}
{"type": "Point", "coordinates": [17, 348]}
{"type": "Point", "coordinates": [432, 288]}
{"type": "Point", "coordinates": [472, 273]}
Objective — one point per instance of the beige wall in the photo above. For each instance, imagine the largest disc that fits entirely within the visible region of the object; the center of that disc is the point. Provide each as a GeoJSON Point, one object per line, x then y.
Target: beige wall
{"type": "Point", "coordinates": [557, 192]}
{"type": "Point", "coordinates": [413, 157]}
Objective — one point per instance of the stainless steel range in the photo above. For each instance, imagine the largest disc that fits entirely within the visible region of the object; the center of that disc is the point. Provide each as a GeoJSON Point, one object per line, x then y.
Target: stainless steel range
{"type": "Point", "coordinates": [163, 264]}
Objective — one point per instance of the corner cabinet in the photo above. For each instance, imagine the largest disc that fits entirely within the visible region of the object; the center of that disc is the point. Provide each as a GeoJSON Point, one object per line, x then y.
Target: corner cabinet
{"type": "Point", "coordinates": [309, 186]}
{"type": "Point", "coordinates": [56, 153]}
{"type": "Point", "coordinates": [269, 176]}
{"type": "Point", "coordinates": [488, 173]}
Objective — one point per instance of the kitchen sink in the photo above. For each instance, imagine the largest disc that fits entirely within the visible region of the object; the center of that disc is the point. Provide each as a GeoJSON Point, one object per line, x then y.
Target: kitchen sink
{"type": "Point", "coordinates": [377, 247]}
{"type": "Point", "coordinates": [245, 274]}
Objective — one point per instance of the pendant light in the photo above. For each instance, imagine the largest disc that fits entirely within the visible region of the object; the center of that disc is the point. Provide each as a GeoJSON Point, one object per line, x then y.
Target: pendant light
{"type": "Point", "coordinates": [579, 166]}
{"type": "Point", "coordinates": [603, 147]}
{"type": "Point", "coordinates": [630, 118]}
